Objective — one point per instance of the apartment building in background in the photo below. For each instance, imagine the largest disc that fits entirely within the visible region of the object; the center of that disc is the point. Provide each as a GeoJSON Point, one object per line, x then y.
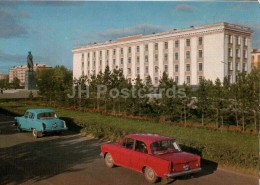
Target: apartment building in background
{"type": "Point", "coordinates": [255, 59]}
{"type": "Point", "coordinates": [187, 55]}
{"type": "Point", "coordinates": [19, 72]}
{"type": "Point", "coordinates": [3, 76]}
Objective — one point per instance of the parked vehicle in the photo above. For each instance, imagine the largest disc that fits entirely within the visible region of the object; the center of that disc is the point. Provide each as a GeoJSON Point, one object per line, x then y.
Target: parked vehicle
{"type": "Point", "coordinates": [40, 121]}
{"type": "Point", "coordinates": [153, 155]}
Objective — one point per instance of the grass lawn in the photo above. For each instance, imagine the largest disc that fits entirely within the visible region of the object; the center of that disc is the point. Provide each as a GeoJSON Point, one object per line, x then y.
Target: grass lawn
{"type": "Point", "coordinates": [230, 149]}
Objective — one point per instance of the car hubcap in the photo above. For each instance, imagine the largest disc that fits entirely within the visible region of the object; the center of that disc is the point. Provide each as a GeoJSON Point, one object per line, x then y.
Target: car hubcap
{"type": "Point", "coordinates": [109, 159]}
{"type": "Point", "coordinates": [150, 174]}
{"type": "Point", "coordinates": [34, 132]}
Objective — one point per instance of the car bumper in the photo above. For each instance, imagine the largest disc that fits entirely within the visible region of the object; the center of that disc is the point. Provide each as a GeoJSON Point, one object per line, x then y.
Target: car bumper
{"type": "Point", "coordinates": [171, 175]}
{"type": "Point", "coordinates": [55, 129]}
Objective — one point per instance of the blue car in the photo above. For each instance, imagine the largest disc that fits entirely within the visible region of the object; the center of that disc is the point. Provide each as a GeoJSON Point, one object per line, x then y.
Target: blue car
{"type": "Point", "coordinates": [40, 121]}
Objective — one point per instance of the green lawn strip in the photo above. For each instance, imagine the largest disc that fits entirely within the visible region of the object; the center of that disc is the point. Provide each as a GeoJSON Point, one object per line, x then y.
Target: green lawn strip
{"type": "Point", "coordinates": [227, 148]}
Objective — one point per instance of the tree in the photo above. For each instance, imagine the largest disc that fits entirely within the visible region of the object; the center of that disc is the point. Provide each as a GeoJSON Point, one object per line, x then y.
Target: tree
{"type": "Point", "coordinates": [16, 83]}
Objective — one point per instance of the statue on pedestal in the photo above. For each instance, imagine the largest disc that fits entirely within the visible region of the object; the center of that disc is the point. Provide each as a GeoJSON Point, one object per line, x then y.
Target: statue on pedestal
{"type": "Point", "coordinates": [30, 81]}
{"type": "Point", "coordinates": [30, 61]}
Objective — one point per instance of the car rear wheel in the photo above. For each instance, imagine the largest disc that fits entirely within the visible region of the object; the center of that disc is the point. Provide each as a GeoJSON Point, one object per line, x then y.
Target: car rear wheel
{"type": "Point", "coordinates": [36, 134]}
{"type": "Point", "coordinates": [150, 175]}
{"type": "Point", "coordinates": [109, 161]}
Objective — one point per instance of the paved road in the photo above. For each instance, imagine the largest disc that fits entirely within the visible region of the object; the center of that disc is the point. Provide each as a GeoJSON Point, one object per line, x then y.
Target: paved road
{"type": "Point", "coordinates": [74, 160]}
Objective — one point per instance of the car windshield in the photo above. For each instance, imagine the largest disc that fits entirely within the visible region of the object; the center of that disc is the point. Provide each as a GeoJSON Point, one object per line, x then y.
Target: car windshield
{"type": "Point", "coordinates": [46, 115]}
{"type": "Point", "coordinates": [165, 146]}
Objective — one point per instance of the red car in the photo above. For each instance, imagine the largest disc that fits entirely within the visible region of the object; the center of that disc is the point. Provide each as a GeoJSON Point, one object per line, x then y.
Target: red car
{"type": "Point", "coordinates": [155, 156]}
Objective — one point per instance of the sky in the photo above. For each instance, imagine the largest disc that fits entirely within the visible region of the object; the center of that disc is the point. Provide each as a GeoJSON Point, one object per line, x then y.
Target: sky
{"type": "Point", "coordinates": [50, 30]}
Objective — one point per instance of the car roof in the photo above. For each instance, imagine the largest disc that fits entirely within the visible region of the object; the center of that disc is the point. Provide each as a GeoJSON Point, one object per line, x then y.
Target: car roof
{"type": "Point", "coordinates": [37, 111]}
{"type": "Point", "coordinates": [148, 138]}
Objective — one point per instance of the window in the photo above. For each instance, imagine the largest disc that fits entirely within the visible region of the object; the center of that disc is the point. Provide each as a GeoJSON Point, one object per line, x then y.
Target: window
{"type": "Point", "coordinates": [100, 53]}
{"type": "Point", "coordinates": [107, 52]}
{"type": "Point", "coordinates": [94, 54]}
{"type": "Point", "coordinates": [137, 70]}
{"type": "Point", "coordinates": [176, 56]}
{"type": "Point", "coordinates": [122, 61]}
{"type": "Point", "coordinates": [200, 66]}
{"type": "Point", "coordinates": [121, 51]}
{"type": "Point", "coordinates": [188, 79]}
{"type": "Point", "coordinates": [156, 80]}
{"type": "Point", "coordinates": [137, 59]}
{"type": "Point", "coordinates": [230, 66]}
{"type": "Point", "coordinates": [155, 57]}
{"type": "Point", "coordinates": [140, 146]}
{"type": "Point", "coordinates": [187, 54]}
{"type": "Point", "coordinates": [129, 60]}
{"type": "Point", "coordinates": [230, 39]}
{"type": "Point", "coordinates": [114, 61]}
{"type": "Point", "coordinates": [166, 68]}
{"type": "Point", "coordinates": [176, 79]}
{"type": "Point", "coordinates": [166, 45]}
{"type": "Point", "coordinates": [26, 114]}
{"type": "Point", "coordinates": [146, 58]}
{"type": "Point", "coordinates": [129, 50]}
{"type": "Point", "coordinates": [128, 143]}
{"type": "Point", "coordinates": [230, 52]}
{"type": "Point", "coordinates": [237, 66]}
{"type": "Point", "coordinates": [245, 41]}
{"type": "Point", "coordinates": [137, 48]}
{"type": "Point", "coordinates": [156, 46]}
{"type": "Point", "coordinates": [176, 68]}
{"type": "Point", "coordinates": [114, 52]}
{"type": "Point", "coordinates": [88, 63]}
{"type": "Point", "coordinates": [176, 44]}
{"type": "Point", "coordinates": [88, 55]}
{"type": "Point", "coordinates": [200, 41]}
{"type": "Point", "coordinates": [94, 63]}
{"type": "Point", "coordinates": [146, 69]}
{"type": "Point", "coordinates": [187, 42]}
{"type": "Point", "coordinates": [100, 62]}
{"type": "Point", "coordinates": [187, 67]}
{"type": "Point", "coordinates": [156, 68]}
{"type": "Point", "coordinates": [82, 55]}
{"type": "Point", "coordinates": [238, 40]}
{"type": "Point", "coordinates": [245, 53]}
{"type": "Point", "coordinates": [146, 47]}
{"type": "Point", "coordinates": [107, 62]}
{"type": "Point", "coordinates": [31, 115]}
{"type": "Point", "coordinates": [200, 78]}
{"type": "Point", "coordinates": [129, 71]}
{"type": "Point", "coordinates": [238, 53]}
{"type": "Point", "coordinates": [200, 54]}
{"type": "Point", "coordinates": [244, 67]}
{"type": "Point", "coordinates": [165, 57]}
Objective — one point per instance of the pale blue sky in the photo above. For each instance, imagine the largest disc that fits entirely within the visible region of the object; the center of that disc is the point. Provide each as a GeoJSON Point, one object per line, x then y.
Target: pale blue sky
{"type": "Point", "coordinates": [51, 29]}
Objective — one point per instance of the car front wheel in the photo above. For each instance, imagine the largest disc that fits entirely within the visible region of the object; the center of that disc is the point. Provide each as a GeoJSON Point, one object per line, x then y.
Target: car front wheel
{"type": "Point", "coordinates": [109, 161]}
{"type": "Point", "coordinates": [150, 175]}
{"type": "Point", "coordinates": [36, 134]}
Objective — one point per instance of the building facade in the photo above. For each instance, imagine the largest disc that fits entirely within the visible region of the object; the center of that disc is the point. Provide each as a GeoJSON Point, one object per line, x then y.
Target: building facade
{"type": "Point", "coordinates": [187, 55]}
{"type": "Point", "coordinates": [255, 59]}
{"type": "Point", "coordinates": [3, 76]}
{"type": "Point", "coordinates": [19, 72]}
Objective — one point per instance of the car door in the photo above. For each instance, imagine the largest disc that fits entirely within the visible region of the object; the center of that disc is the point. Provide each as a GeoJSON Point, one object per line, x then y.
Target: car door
{"type": "Point", "coordinates": [124, 153]}
{"type": "Point", "coordinates": [139, 156]}
{"type": "Point", "coordinates": [23, 120]}
{"type": "Point", "coordinates": [30, 120]}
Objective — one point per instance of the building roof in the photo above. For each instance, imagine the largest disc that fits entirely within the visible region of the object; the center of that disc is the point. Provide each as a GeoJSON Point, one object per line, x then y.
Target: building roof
{"type": "Point", "coordinates": [161, 34]}
{"type": "Point", "coordinates": [256, 50]}
{"type": "Point", "coordinates": [34, 65]}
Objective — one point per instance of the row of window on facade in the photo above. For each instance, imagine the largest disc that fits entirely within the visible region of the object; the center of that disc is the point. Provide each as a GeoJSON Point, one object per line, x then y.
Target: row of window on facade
{"type": "Point", "coordinates": [237, 39]}
{"type": "Point", "coordinates": [176, 57]}
{"type": "Point", "coordinates": [156, 47]}
{"type": "Point", "coordinates": [237, 66]}
{"type": "Point", "coordinates": [238, 53]}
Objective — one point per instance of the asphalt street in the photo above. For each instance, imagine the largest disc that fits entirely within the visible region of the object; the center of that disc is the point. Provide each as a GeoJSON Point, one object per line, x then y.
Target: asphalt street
{"type": "Point", "coordinates": [70, 159]}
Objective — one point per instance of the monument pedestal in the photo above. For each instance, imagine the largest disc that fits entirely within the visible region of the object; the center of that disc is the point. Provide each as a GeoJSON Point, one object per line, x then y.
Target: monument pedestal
{"type": "Point", "coordinates": [30, 81]}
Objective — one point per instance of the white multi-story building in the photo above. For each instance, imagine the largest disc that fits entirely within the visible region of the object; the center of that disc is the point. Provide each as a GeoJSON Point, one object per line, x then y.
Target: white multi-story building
{"type": "Point", "coordinates": [211, 51]}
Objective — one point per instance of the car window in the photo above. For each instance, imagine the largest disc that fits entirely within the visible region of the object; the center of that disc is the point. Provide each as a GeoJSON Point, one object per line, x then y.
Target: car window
{"type": "Point", "coordinates": [45, 115]}
{"type": "Point", "coordinates": [31, 115]}
{"type": "Point", "coordinates": [26, 114]}
{"type": "Point", "coordinates": [165, 146]}
{"type": "Point", "coordinates": [140, 146]}
{"type": "Point", "coordinates": [128, 143]}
